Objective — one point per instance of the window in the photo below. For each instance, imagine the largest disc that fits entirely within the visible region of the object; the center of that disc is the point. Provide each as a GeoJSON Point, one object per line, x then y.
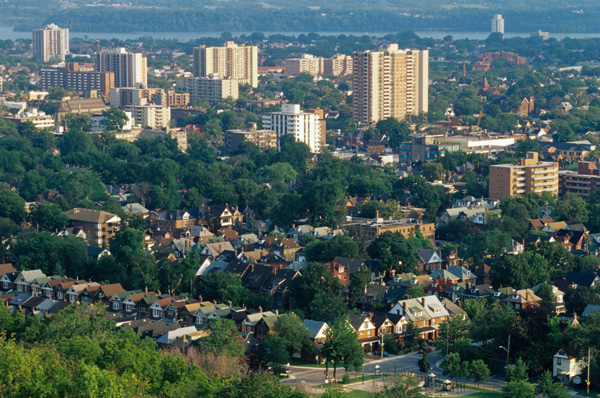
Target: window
{"type": "Point", "coordinates": [128, 307]}
{"type": "Point", "coordinates": [142, 310]}
{"type": "Point", "coordinates": [156, 313]}
{"type": "Point", "coordinates": [558, 361]}
{"type": "Point", "coordinates": [59, 295]}
{"type": "Point", "coordinates": [116, 305]}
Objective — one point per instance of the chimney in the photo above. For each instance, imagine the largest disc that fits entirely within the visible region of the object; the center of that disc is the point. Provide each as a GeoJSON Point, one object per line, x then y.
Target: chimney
{"type": "Point", "coordinates": [574, 316]}
{"type": "Point", "coordinates": [215, 302]}
{"type": "Point", "coordinates": [404, 307]}
{"type": "Point", "coordinates": [423, 301]}
{"type": "Point", "coordinates": [146, 289]}
{"type": "Point", "coordinates": [230, 303]}
{"type": "Point", "coordinates": [276, 312]}
{"type": "Point", "coordinates": [260, 309]}
{"type": "Point", "coordinates": [200, 298]}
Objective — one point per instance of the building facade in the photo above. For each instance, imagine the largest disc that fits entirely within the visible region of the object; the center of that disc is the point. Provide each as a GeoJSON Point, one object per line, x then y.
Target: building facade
{"type": "Point", "coordinates": [585, 181]}
{"type": "Point", "coordinates": [305, 127]}
{"type": "Point", "coordinates": [51, 42]}
{"type": "Point", "coordinates": [307, 63]}
{"type": "Point", "coordinates": [369, 229]}
{"type": "Point", "coordinates": [77, 77]}
{"type": "Point", "coordinates": [264, 139]}
{"type": "Point", "coordinates": [99, 226]}
{"type": "Point", "coordinates": [230, 61]}
{"type": "Point", "coordinates": [530, 175]}
{"type": "Point", "coordinates": [498, 24]}
{"type": "Point", "coordinates": [212, 88]}
{"type": "Point", "coordinates": [390, 83]}
{"type": "Point", "coordinates": [130, 69]}
{"type": "Point", "coordinates": [150, 116]}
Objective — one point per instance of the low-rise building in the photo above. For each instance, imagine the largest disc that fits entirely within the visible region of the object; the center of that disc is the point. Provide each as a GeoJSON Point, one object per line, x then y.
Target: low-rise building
{"type": "Point", "coordinates": [530, 175]}
{"type": "Point", "coordinates": [584, 181]}
{"type": "Point", "coordinates": [264, 139]}
{"type": "Point", "coordinates": [40, 120]}
{"type": "Point", "coordinates": [371, 228]}
{"type": "Point", "coordinates": [212, 88]}
{"type": "Point", "coordinates": [99, 226]}
{"type": "Point", "coordinates": [150, 116]}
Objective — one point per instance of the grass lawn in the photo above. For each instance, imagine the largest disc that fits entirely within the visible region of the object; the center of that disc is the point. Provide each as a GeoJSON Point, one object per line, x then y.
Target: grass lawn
{"type": "Point", "coordinates": [490, 394]}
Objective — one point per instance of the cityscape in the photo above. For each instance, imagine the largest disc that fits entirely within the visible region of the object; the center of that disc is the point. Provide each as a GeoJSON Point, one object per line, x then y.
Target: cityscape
{"type": "Point", "coordinates": [291, 215]}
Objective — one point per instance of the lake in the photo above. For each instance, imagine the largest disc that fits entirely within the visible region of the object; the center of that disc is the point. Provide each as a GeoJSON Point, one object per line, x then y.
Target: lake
{"type": "Point", "coordinates": [6, 32]}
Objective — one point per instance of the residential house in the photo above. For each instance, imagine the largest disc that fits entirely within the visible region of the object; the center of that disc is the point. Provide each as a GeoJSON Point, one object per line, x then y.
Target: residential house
{"type": "Point", "coordinates": [99, 226]}
{"type": "Point", "coordinates": [524, 298]}
{"type": "Point", "coordinates": [316, 333]}
{"type": "Point", "coordinates": [586, 279]}
{"type": "Point", "coordinates": [213, 250]}
{"type": "Point", "coordinates": [258, 277]}
{"type": "Point", "coordinates": [559, 297]}
{"type": "Point", "coordinates": [265, 325]}
{"type": "Point", "coordinates": [429, 260]}
{"type": "Point", "coordinates": [74, 294]}
{"type": "Point", "coordinates": [248, 326]}
{"type": "Point", "coordinates": [566, 366]}
{"type": "Point", "coordinates": [454, 309]}
{"type": "Point", "coordinates": [463, 274]}
{"type": "Point", "coordinates": [427, 313]}
{"type": "Point", "coordinates": [24, 280]}
{"type": "Point", "coordinates": [365, 330]}
{"type": "Point", "coordinates": [279, 287]}
{"type": "Point", "coordinates": [343, 267]}
{"type": "Point", "coordinates": [171, 219]}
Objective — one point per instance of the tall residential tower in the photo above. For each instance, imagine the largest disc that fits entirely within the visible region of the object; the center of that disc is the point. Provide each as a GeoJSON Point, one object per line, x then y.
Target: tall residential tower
{"type": "Point", "coordinates": [390, 83]}
{"type": "Point", "coordinates": [50, 42]}
{"type": "Point", "coordinates": [130, 69]}
{"type": "Point", "coordinates": [498, 24]}
{"type": "Point", "coordinates": [231, 61]}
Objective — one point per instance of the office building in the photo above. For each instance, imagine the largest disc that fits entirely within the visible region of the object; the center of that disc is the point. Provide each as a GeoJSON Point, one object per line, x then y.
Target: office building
{"type": "Point", "coordinates": [212, 88]}
{"type": "Point", "coordinates": [150, 116]}
{"type": "Point", "coordinates": [425, 148]}
{"type": "Point", "coordinates": [130, 69]}
{"type": "Point", "coordinates": [585, 181]}
{"type": "Point", "coordinates": [498, 24]}
{"type": "Point", "coordinates": [530, 175]}
{"type": "Point", "coordinates": [51, 42]}
{"type": "Point", "coordinates": [305, 127]}
{"type": "Point", "coordinates": [264, 139]}
{"type": "Point", "coordinates": [230, 61]}
{"type": "Point", "coordinates": [390, 83]}
{"type": "Point", "coordinates": [77, 77]}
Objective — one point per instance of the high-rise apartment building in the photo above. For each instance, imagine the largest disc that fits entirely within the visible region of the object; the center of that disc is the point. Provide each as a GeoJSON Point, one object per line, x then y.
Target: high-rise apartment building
{"type": "Point", "coordinates": [51, 42]}
{"type": "Point", "coordinates": [130, 69]}
{"type": "Point", "coordinates": [498, 24]}
{"type": "Point", "coordinates": [337, 65]}
{"type": "Point", "coordinates": [212, 88]}
{"type": "Point", "coordinates": [585, 181]}
{"type": "Point", "coordinates": [305, 127]}
{"type": "Point", "coordinates": [231, 61]}
{"type": "Point", "coordinates": [77, 77]}
{"type": "Point", "coordinates": [123, 96]}
{"type": "Point", "coordinates": [150, 116]}
{"type": "Point", "coordinates": [530, 175]}
{"type": "Point", "coordinates": [390, 83]}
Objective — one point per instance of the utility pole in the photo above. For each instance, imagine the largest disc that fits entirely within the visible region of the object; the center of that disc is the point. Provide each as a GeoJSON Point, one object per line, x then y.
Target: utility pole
{"type": "Point", "coordinates": [508, 353]}
{"type": "Point", "coordinates": [447, 337]}
{"type": "Point", "coordinates": [381, 348]}
{"type": "Point", "coordinates": [588, 373]}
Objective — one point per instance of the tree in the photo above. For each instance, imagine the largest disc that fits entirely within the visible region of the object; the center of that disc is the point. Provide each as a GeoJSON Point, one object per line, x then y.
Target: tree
{"type": "Point", "coordinates": [393, 252]}
{"type": "Point", "coordinates": [342, 347]}
{"type": "Point", "coordinates": [517, 372]}
{"type": "Point", "coordinates": [573, 209]}
{"type": "Point", "coordinates": [424, 365]}
{"type": "Point", "coordinates": [411, 335]}
{"type": "Point", "coordinates": [401, 390]}
{"type": "Point", "coordinates": [191, 199]}
{"type": "Point", "coordinates": [545, 293]}
{"type": "Point", "coordinates": [520, 271]}
{"type": "Point", "coordinates": [276, 353]}
{"type": "Point", "coordinates": [518, 389]}
{"type": "Point", "coordinates": [452, 365]}
{"type": "Point", "coordinates": [432, 171]}
{"type": "Point", "coordinates": [11, 205]}
{"type": "Point", "coordinates": [477, 247]}
{"type": "Point", "coordinates": [316, 278]}
{"type": "Point", "coordinates": [296, 337]}
{"type": "Point", "coordinates": [327, 250]}
{"type": "Point", "coordinates": [414, 292]}
{"type": "Point", "coordinates": [114, 119]}
{"type": "Point", "coordinates": [326, 305]}
{"type": "Point", "coordinates": [324, 202]}
{"type": "Point", "coordinates": [479, 371]}
{"type": "Point", "coordinates": [397, 131]}
{"type": "Point", "coordinates": [48, 217]}
{"type": "Point", "coordinates": [358, 283]}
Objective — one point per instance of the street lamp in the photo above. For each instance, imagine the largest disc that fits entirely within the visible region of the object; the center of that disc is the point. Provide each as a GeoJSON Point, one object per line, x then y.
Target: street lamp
{"type": "Point", "coordinates": [507, 354]}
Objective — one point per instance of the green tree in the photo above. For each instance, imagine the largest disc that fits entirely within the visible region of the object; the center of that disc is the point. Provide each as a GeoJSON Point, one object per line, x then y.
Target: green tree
{"type": "Point", "coordinates": [48, 217]}
{"type": "Point", "coordinates": [433, 171]}
{"type": "Point", "coordinates": [518, 389]}
{"type": "Point", "coordinates": [452, 365]}
{"type": "Point", "coordinates": [223, 338]}
{"type": "Point", "coordinates": [397, 131]}
{"type": "Point", "coordinates": [520, 271]}
{"type": "Point", "coordinates": [12, 206]}
{"type": "Point", "coordinates": [414, 292]}
{"type": "Point", "coordinates": [296, 337]}
{"type": "Point", "coordinates": [342, 347]}
{"type": "Point", "coordinates": [276, 353]}
{"type": "Point", "coordinates": [476, 247]}
{"type": "Point", "coordinates": [327, 250]}
{"type": "Point", "coordinates": [517, 372]}
{"type": "Point", "coordinates": [358, 283]}
{"type": "Point", "coordinates": [114, 120]}
{"type": "Point", "coordinates": [424, 365]}
{"type": "Point", "coordinates": [479, 371]}
{"type": "Point", "coordinates": [316, 278]}
{"type": "Point", "coordinates": [393, 252]}
{"type": "Point", "coordinates": [572, 209]}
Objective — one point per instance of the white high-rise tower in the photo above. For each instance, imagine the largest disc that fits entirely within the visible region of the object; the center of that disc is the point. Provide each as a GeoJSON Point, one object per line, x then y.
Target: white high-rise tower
{"type": "Point", "coordinates": [498, 24]}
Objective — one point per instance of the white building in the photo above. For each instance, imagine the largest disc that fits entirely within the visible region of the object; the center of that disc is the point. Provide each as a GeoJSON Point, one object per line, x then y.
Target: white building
{"type": "Point", "coordinates": [130, 69]}
{"type": "Point", "coordinates": [50, 42]}
{"type": "Point", "coordinates": [40, 120]}
{"type": "Point", "coordinates": [498, 24]}
{"type": "Point", "coordinates": [150, 116]}
{"type": "Point", "coordinates": [566, 366]}
{"type": "Point", "coordinates": [212, 88]}
{"type": "Point", "coordinates": [98, 127]}
{"type": "Point", "coordinates": [305, 127]}
{"type": "Point", "coordinates": [231, 60]}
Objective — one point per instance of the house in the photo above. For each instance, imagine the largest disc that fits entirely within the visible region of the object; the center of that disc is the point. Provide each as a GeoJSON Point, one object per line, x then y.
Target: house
{"type": "Point", "coordinates": [265, 325]}
{"type": "Point", "coordinates": [342, 267]}
{"type": "Point", "coordinates": [213, 250]}
{"type": "Point", "coordinates": [136, 209]}
{"type": "Point", "coordinates": [99, 226]}
{"type": "Point", "coordinates": [279, 287]}
{"type": "Point", "coordinates": [7, 282]}
{"type": "Point", "coordinates": [482, 273]}
{"type": "Point", "coordinates": [316, 333]}
{"type": "Point", "coordinates": [559, 297]}
{"type": "Point", "coordinates": [524, 298]}
{"type": "Point", "coordinates": [442, 275]}
{"type": "Point", "coordinates": [454, 310]}
{"type": "Point", "coordinates": [590, 309]}
{"type": "Point", "coordinates": [7, 268]}
{"type": "Point", "coordinates": [428, 260]}
{"type": "Point", "coordinates": [463, 274]}
{"type": "Point", "coordinates": [171, 219]}
{"type": "Point", "coordinates": [221, 217]}
{"type": "Point", "coordinates": [24, 280]}
{"type": "Point", "coordinates": [427, 313]}
{"type": "Point", "coordinates": [101, 293]}
{"type": "Point", "coordinates": [172, 336]}
{"type": "Point", "coordinates": [365, 330]}
{"type": "Point", "coordinates": [572, 240]}
{"type": "Point", "coordinates": [248, 325]}
{"type": "Point", "coordinates": [565, 365]}
{"type": "Point", "coordinates": [586, 279]}
{"type": "Point", "coordinates": [258, 276]}
{"type": "Point", "coordinates": [74, 294]}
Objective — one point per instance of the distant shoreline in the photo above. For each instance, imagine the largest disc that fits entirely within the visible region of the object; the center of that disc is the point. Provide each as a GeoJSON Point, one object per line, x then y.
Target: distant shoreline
{"type": "Point", "coordinates": [7, 32]}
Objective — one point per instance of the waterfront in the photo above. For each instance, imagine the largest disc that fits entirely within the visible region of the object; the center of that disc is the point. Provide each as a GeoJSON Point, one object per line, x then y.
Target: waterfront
{"type": "Point", "coordinates": [7, 33]}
